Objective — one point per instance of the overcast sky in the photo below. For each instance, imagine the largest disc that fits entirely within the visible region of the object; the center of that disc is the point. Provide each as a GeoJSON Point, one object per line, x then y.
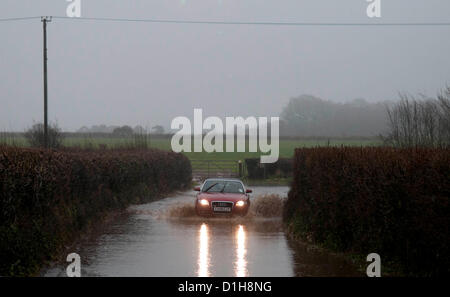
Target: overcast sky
{"type": "Point", "coordinates": [146, 73]}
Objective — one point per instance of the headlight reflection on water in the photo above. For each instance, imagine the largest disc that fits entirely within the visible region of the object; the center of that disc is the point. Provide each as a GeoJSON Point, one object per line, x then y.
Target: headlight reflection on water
{"type": "Point", "coordinates": [203, 252]}
{"type": "Point", "coordinates": [204, 256]}
{"type": "Point", "coordinates": [240, 267]}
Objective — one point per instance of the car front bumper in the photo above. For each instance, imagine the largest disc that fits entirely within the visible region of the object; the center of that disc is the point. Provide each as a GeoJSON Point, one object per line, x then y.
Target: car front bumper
{"type": "Point", "coordinates": [208, 211]}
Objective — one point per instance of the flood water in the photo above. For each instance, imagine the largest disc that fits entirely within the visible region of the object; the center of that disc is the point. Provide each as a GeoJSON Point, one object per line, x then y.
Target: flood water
{"type": "Point", "coordinates": [165, 238]}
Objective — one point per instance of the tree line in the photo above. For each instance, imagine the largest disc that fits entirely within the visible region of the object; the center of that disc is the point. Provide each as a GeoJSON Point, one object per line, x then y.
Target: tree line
{"type": "Point", "coordinates": [411, 121]}
{"type": "Point", "coordinates": [309, 116]}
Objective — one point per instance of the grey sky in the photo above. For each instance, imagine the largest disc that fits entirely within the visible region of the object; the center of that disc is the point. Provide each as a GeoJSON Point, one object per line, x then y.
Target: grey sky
{"type": "Point", "coordinates": [145, 73]}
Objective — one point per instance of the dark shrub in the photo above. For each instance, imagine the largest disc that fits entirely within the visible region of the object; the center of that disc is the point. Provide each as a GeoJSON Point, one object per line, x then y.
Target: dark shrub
{"type": "Point", "coordinates": [394, 202]}
{"type": "Point", "coordinates": [47, 196]}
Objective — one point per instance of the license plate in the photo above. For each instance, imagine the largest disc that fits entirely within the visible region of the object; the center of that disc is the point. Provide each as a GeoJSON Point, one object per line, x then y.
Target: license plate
{"type": "Point", "coordinates": [222, 209]}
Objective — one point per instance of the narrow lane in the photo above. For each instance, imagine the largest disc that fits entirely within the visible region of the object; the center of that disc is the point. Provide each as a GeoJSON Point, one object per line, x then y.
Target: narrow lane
{"type": "Point", "coordinates": [165, 238]}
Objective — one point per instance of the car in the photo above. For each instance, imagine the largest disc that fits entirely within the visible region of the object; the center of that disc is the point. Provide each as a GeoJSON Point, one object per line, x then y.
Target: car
{"type": "Point", "coordinates": [221, 196]}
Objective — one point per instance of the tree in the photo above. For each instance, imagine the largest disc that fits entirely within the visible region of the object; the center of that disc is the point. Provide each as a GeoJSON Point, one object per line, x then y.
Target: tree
{"type": "Point", "coordinates": [423, 122]}
{"type": "Point", "coordinates": [139, 130]}
{"type": "Point", "coordinates": [158, 129]}
{"type": "Point", "coordinates": [123, 131]}
{"type": "Point", "coordinates": [35, 135]}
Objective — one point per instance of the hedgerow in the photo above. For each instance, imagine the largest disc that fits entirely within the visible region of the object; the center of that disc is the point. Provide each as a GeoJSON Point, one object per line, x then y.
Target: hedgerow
{"type": "Point", "coordinates": [394, 202]}
{"type": "Point", "coordinates": [47, 196]}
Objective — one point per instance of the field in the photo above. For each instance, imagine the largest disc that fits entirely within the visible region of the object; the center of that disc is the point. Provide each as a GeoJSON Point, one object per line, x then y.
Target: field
{"type": "Point", "coordinates": [287, 145]}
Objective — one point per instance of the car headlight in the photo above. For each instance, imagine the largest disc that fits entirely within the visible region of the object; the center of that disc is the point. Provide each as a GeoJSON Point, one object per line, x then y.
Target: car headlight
{"type": "Point", "coordinates": [203, 202]}
{"type": "Point", "coordinates": [240, 203]}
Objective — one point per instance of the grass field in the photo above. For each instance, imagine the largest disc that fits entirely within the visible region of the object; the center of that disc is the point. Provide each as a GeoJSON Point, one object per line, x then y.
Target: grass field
{"type": "Point", "coordinates": [203, 161]}
{"type": "Point", "coordinates": [287, 146]}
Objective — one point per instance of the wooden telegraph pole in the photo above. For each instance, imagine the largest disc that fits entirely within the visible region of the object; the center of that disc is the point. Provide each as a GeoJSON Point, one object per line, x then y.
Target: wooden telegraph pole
{"type": "Point", "coordinates": [44, 24]}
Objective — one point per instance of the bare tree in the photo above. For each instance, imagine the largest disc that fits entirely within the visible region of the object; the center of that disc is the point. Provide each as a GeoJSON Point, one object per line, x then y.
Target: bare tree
{"type": "Point", "coordinates": [444, 120]}
{"type": "Point", "coordinates": [420, 122]}
{"type": "Point", "coordinates": [35, 136]}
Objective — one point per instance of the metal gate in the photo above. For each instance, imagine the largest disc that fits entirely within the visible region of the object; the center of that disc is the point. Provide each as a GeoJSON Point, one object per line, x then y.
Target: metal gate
{"type": "Point", "coordinates": [202, 169]}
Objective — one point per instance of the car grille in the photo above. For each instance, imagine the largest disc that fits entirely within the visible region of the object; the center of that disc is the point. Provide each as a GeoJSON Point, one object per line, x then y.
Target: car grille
{"type": "Point", "coordinates": [221, 205]}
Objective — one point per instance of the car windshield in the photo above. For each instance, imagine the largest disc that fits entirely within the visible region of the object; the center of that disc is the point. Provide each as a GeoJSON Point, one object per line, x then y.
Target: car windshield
{"type": "Point", "coordinates": [214, 186]}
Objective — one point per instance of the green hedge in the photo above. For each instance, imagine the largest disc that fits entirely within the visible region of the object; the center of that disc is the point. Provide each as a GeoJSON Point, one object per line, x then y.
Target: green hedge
{"type": "Point", "coordinates": [47, 197]}
{"type": "Point", "coordinates": [394, 202]}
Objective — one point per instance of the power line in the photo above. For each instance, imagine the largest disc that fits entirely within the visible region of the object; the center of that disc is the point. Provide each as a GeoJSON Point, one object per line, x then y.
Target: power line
{"type": "Point", "coordinates": [19, 19]}
{"type": "Point", "coordinates": [253, 23]}
{"type": "Point", "coordinates": [295, 24]}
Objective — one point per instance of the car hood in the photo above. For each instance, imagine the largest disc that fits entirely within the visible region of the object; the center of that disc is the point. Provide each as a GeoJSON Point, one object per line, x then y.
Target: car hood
{"type": "Point", "coordinates": [222, 196]}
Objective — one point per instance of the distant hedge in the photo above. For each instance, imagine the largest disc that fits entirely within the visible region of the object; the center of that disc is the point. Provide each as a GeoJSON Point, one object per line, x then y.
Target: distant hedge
{"type": "Point", "coordinates": [256, 170]}
{"type": "Point", "coordinates": [394, 202]}
{"type": "Point", "coordinates": [47, 197]}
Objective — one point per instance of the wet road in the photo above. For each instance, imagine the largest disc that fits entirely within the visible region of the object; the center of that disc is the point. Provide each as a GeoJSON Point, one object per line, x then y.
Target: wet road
{"type": "Point", "coordinates": [165, 238]}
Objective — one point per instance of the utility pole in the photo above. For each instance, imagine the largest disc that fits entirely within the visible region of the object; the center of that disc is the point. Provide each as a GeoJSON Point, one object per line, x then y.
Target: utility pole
{"type": "Point", "coordinates": [44, 24]}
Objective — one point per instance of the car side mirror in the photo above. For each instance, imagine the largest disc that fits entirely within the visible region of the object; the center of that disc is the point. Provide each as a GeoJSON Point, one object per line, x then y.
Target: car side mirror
{"type": "Point", "coordinates": [249, 191]}
{"type": "Point", "coordinates": [197, 189]}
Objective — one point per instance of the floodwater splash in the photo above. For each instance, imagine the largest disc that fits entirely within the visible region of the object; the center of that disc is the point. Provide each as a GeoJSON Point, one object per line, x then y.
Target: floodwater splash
{"type": "Point", "coordinates": [186, 210]}
{"type": "Point", "coordinates": [267, 206]}
{"type": "Point", "coordinates": [262, 206]}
